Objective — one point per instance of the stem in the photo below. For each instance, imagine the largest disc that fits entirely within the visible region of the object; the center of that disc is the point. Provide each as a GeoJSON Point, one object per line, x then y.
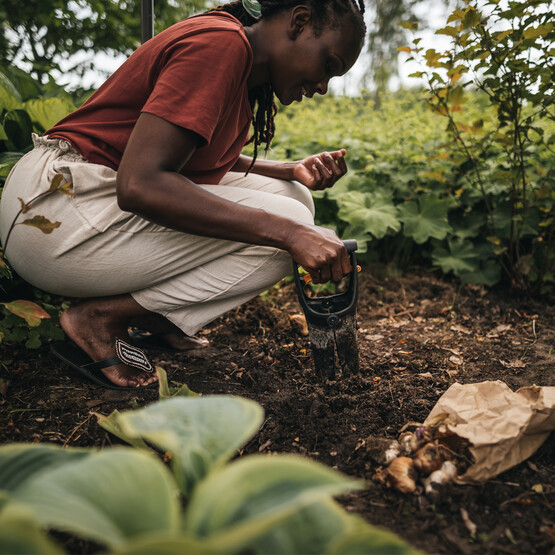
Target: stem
{"type": "Point", "coordinates": [26, 207]}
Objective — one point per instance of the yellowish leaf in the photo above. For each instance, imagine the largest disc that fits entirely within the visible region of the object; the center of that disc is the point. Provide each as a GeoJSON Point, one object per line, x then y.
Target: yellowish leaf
{"type": "Point", "coordinates": [406, 49]}
{"type": "Point", "coordinates": [24, 206]}
{"type": "Point", "coordinates": [42, 223]}
{"type": "Point", "coordinates": [31, 312]}
{"type": "Point", "coordinates": [56, 182]}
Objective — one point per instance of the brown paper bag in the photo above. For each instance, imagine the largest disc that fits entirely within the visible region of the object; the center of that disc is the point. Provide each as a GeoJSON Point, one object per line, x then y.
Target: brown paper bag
{"type": "Point", "coordinates": [504, 428]}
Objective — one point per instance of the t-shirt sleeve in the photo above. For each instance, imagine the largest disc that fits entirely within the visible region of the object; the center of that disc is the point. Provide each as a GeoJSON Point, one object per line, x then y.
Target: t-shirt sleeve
{"type": "Point", "coordinates": [201, 74]}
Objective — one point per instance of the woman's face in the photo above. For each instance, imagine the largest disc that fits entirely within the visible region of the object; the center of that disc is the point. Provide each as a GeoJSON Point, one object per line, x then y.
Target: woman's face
{"type": "Point", "coordinates": [304, 66]}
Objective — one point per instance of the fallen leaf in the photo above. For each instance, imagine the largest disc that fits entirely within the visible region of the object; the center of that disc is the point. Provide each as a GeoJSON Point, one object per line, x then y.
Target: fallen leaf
{"type": "Point", "coordinates": [460, 329]}
{"type": "Point", "coordinates": [457, 361]}
{"type": "Point", "coordinates": [374, 337]}
{"type": "Point", "coordinates": [513, 364]}
{"type": "Point", "coordinates": [31, 312]}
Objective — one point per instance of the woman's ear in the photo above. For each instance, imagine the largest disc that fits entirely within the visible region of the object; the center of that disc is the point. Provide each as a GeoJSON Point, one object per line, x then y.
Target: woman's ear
{"type": "Point", "coordinates": [299, 18]}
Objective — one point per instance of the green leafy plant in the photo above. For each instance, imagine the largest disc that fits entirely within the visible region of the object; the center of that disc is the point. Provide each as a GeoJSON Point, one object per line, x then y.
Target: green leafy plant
{"type": "Point", "coordinates": [128, 500]}
{"type": "Point", "coordinates": [505, 159]}
{"type": "Point", "coordinates": [25, 108]}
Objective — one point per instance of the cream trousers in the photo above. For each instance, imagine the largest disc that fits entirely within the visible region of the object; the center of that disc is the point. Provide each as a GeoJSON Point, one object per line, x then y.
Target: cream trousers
{"type": "Point", "coordinates": [99, 250]}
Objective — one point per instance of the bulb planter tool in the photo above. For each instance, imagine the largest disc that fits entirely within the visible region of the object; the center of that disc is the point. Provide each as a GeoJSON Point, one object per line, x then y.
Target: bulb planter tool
{"type": "Point", "coordinates": [332, 323]}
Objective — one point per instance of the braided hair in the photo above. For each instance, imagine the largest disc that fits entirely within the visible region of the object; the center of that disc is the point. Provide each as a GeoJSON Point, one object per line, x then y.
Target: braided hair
{"type": "Point", "coordinates": [325, 13]}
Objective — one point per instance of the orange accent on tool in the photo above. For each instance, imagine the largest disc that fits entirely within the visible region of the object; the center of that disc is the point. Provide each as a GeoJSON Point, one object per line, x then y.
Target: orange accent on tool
{"type": "Point", "coordinates": [308, 278]}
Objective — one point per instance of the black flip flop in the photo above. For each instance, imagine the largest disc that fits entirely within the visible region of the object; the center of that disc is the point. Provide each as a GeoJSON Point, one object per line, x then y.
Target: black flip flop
{"type": "Point", "coordinates": [155, 341]}
{"type": "Point", "coordinates": [75, 357]}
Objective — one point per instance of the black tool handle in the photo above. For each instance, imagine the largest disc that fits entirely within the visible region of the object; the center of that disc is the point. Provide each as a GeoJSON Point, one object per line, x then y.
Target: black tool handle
{"type": "Point", "coordinates": [350, 245]}
{"type": "Point", "coordinates": [327, 311]}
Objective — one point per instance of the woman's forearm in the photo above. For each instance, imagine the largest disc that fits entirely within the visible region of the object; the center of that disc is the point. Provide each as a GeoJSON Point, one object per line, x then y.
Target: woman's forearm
{"type": "Point", "coordinates": [172, 200]}
{"type": "Point", "coordinates": [269, 168]}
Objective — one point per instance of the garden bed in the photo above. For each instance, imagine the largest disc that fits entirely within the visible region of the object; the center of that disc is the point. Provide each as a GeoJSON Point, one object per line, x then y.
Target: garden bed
{"type": "Point", "coordinates": [417, 335]}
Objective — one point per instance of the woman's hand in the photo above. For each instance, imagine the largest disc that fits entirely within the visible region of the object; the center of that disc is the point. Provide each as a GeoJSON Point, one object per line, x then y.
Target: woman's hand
{"type": "Point", "coordinates": [321, 171]}
{"type": "Point", "coordinates": [320, 252]}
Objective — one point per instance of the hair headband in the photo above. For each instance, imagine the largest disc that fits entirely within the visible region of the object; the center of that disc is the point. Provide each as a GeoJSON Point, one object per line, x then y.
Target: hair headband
{"type": "Point", "coordinates": [253, 8]}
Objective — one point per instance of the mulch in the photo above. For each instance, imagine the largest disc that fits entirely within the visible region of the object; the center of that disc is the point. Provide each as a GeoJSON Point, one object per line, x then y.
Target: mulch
{"type": "Point", "coordinates": [417, 335]}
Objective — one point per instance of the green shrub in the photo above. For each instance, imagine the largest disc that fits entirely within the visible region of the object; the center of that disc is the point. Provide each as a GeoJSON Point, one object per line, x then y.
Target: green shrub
{"type": "Point", "coordinates": [505, 160]}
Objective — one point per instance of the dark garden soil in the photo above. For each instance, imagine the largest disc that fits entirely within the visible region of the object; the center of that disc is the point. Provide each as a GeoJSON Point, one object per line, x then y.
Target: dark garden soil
{"type": "Point", "coordinates": [417, 336]}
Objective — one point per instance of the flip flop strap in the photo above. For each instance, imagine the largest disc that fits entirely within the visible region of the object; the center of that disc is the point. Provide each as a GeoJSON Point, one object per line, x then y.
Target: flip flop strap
{"type": "Point", "coordinates": [126, 354]}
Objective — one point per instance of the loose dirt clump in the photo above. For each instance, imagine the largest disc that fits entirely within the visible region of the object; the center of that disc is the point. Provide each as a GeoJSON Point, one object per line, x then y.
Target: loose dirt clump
{"type": "Point", "coordinates": [417, 335]}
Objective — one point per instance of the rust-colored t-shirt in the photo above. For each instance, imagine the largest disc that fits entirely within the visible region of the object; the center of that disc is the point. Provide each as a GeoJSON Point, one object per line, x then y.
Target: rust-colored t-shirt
{"type": "Point", "coordinates": [194, 75]}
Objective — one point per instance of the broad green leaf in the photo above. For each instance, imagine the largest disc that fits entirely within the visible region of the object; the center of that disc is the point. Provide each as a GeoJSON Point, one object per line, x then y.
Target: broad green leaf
{"type": "Point", "coordinates": [7, 162]}
{"type": "Point", "coordinates": [20, 461]}
{"type": "Point", "coordinates": [198, 432]}
{"type": "Point", "coordinates": [489, 270]}
{"type": "Point", "coordinates": [375, 214]}
{"type": "Point", "coordinates": [488, 274]}
{"type": "Point", "coordinates": [365, 539]}
{"type": "Point", "coordinates": [48, 111]}
{"type": "Point", "coordinates": [165, 544]}
{"type": "Point", "coordinates": [311, 530]}
{"type": "Point", "coordinates": [461, 256]}
{"type": "Point", "coordinates": [9, 97]}
{"type": "Point", "coordinates": [3, 136]}
{"type": "Point", "coordinates": [251, 495]}
{"type": "Point", "coordinates": [425, 219]}
{"type": "Point", "coordinates": [108, 497]}
{"type": "Point", "coordinates": [31, 312]}
{"type": "Point", "coordinates": [42, 223]}
{"type": "Point", "coordinates": [111, 424]}
{"type": "Point", "coordinates": [21, 535]}
{"type": "Point", "coordinates": [466, 226]}
{"type": "Point", "coordinates": [18, 127]}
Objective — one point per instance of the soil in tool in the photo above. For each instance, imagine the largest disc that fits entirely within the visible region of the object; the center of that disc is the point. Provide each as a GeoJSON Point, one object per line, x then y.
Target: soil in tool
{"type": "Point", "coordinates": [332, 324]}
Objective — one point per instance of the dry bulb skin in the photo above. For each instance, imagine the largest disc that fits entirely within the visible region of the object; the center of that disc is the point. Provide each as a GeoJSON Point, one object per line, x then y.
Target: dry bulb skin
{"type": "Point", "coordinates": [298, 322]}
{"type": "Point", "coordinates": [400, 474]}
{"type": "Point", "coordinates": [382, 451]}
{"type": "Point", "coordinates": [430, 455]}
{"type": "Point", "coordinates": [428, 458]}
{"type": "Point", "coordinates": [434, 483]}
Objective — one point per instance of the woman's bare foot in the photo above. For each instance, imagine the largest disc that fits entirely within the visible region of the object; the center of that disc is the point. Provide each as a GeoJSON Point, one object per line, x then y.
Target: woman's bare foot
{"type": "Point", "coordinates": [156, 324]}
{"type": "Point", "coordinates": [95, 325]}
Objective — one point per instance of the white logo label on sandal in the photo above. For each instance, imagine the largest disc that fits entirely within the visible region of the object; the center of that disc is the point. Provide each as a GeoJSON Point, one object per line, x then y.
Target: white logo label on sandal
{"type": "Point", "coordinates": [132, 356]}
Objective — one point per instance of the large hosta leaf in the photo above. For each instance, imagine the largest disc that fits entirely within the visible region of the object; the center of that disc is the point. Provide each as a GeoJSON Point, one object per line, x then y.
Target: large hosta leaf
{"type": "Point", "coordinates": [107, 496]}
{"type": "Point", "coordinates": [425, 219]}
{"type": "Point", "coordinates": [21, 535]}
{"type": "Point", "coordinates": [375, 214]}
{"type": "Point", "coordinates": [19, 462]}
{"type": "Point", "coordinates": [250, 496]}
{"type": "Point", "coordinates": [165, 544]}
{"type": "Point", "coordinates": [198, 432]}
{"type": "Point", "coordinates": [312, 530]}
{"type": "Point", "coordinates": [366, 539]}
